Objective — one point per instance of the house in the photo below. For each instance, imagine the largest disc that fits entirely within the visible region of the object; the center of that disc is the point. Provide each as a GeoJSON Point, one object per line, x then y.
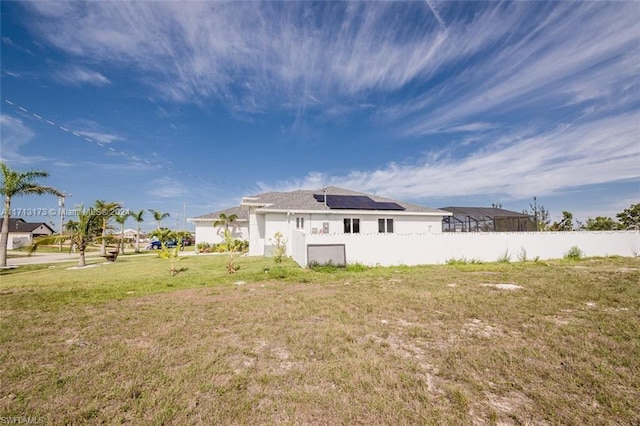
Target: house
{"type": "Point", "coordinates": [206, 232]}
{"type": "Point", "coordinates": [130, 234]}
{"type": "Point", "coordinates": [330, 210]}
{"type": "Point", "coordinates": [22, 233]}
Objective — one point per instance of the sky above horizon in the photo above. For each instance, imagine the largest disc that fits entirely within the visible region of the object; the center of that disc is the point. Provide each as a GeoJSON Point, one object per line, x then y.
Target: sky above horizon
{"type": "Point", "coordinates": [191, 105]}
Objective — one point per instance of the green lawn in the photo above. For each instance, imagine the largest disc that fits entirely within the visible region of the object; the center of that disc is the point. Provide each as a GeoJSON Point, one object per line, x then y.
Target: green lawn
{"type": "Point", "coordinates": [128, 343]}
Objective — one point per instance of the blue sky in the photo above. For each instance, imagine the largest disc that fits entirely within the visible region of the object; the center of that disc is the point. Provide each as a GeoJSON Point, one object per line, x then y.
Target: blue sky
{"type": "Point", "coordinates": [163, 104]}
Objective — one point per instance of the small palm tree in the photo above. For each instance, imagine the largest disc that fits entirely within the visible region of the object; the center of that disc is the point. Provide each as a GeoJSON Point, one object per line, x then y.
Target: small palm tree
{"type": "Point", "coordinates": [224, 222]}
{"type": "Point", "coordinates": [106, 212]}
{"type": "Point", "coordinates": [121, 219]}
{"type": "Point", "coordinates": [137, 216]}
{"type": "Point", "coordinates": [79, 233]}
{"type": "Point", "coordinates": [15, 183]}
{"type": "Point", "coordinates": [158, 216]}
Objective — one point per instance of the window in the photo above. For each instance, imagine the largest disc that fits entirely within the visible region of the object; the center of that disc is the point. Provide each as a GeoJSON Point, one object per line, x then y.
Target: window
{"type": "Point", "coordinates": [299, 222]}
{"type": "Point", "coordinates": [351, 226]}
{"type": "Point", "coordinates": [385, 226]}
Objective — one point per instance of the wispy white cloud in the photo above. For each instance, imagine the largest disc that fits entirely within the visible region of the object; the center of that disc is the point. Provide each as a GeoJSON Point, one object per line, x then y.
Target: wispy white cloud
{"type": "Point", "coordinates": [547, 163]}
{"type": "Point", "coordinates": [78, 75]}
{"type": "Point", "coordinates": [570, 55]}
{"type": "Point", "coordinates": [16, 136]}
{"type": "Point", "coordinates": [123, 167]}
{"type": "Point", "coordinates": [470, 127]}
{"type": "Point", "coordinates": [94, 131]}
{"type": "Point", "coordinates": [538, 96]}
{"type": "Point", "coordinates": [249, 55]}
{"type": "Point", "coordinates": [166, 187]}
{"type": "Point", "coordinates": [278, 50]}
{"type": "Point", "coordinates": [99, 136]}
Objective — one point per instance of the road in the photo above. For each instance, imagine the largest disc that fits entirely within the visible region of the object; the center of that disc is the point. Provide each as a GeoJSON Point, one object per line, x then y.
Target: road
{"type": "Point", "coordinates": [37, 258]}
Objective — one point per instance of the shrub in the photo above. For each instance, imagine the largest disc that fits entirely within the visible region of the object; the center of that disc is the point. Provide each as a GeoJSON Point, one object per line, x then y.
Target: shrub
{"type": "Point", "coordinates": [204, 248]}
{"type": "Point", "coordinates": [574, 253]}
{"type": "Point", "coordinates": [279, 247]}
{"type": "Point", "coordinates": [505, 257]}
{"type": "Point", "coordinates": [324, 267]}
{"type": "Point", "coordinates": [357, 267]}
{"type": "Point", "coordinates": [237, 246]}
{"type": "Point", "coordinates": [522, 256]}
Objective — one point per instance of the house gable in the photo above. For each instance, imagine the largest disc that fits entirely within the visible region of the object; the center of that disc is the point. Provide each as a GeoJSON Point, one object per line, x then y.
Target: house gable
{"type": "Point", "coordinates": [35, 228]}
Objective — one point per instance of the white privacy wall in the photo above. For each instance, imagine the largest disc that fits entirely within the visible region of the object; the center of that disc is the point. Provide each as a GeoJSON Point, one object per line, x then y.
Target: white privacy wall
{"type": "Point", "coordinates": [417, 249]}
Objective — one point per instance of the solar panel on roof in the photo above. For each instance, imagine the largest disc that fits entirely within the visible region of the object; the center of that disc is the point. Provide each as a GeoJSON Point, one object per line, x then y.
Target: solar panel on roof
{"type": "Point", "coordinates": [355, 202]}
{"type": "Point", "coordinates": [388, 206]}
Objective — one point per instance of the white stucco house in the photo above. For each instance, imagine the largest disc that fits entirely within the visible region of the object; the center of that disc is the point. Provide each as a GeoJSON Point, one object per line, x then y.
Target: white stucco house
{"type": "Point", "coordinates": [330, 210]}
{"type": "Point", "coordinates": [22, 233]}
{"type": "Point", "coordinates": [207, 233]}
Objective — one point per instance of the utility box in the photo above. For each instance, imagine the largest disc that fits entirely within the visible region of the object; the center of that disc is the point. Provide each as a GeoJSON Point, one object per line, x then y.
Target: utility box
{"type": "Point", "coordinates": [323, 254]}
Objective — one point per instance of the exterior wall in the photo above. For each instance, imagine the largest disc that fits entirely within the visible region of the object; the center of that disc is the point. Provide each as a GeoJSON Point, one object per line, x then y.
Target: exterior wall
{"type": "Point", "coordinates": [277, 222]}
{"type": "Point", "coordinates": [21, 239]}
{"type": "Point", "coordinates": [267, 224]}
{"type": "Point", "coordinates": [18, 239]}
{"type": "Point", "coordinates": [298, 247]}
{"type": "Point", "coordinates": [403, 224]}
{"type": "Point", "coordinates": [41, 230]}
{"type": "Point", "coordinates": [207, 233]}
{"type": "Point", "coordinates": [257, 233]}
{"type": "Point", "coordinates": [416, 249]}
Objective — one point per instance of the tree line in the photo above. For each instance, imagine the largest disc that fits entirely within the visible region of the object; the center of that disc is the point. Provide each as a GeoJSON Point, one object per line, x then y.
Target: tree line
{"type": "Point", "coordinates": [628, 219]}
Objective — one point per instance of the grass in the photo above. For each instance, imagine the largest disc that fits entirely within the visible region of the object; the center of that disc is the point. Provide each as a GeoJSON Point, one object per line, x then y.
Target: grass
{"type": "Point", "coordinates": [127, 343]}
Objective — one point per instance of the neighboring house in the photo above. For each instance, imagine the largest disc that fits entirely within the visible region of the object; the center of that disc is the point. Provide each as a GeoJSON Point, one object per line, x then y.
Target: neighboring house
{"type": "Point", "coordinates": [22, 233]}
{"type": "Point", "coordinates": [486, 219]}
{"type": "Point", "coordinates": [130, 234]}
{"type": "Point", "coordinates": [329, 210]}
{"type": "Point", "coordinates": [207, 233]}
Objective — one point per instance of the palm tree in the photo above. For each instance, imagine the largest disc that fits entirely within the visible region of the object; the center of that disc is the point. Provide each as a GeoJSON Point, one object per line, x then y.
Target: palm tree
{"type": "Point", "coordinates": [225, 221]}
{"type": "Point", "coordinates": [138, 218]}
{"type": "Point", "coordinates": [79, 233]}
{"type": "Point", "coordinates": [158, 216]}
{"type": "Point", "coordinates": [17, 183]}
{"type": "Point", "coordinates": [164, 235]}
{"type": "Point", "coordinates": [106, 211]}
{"type": "Point", "coordinates": [121, 219]}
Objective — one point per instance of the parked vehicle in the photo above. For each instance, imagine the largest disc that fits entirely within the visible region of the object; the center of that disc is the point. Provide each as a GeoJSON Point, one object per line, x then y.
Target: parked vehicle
{"type": "Point", "coordinates": [157, 245]}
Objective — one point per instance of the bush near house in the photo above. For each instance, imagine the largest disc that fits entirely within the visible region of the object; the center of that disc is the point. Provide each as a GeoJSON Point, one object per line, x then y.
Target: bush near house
{"type": "Point", "coordinates": [237, 246]}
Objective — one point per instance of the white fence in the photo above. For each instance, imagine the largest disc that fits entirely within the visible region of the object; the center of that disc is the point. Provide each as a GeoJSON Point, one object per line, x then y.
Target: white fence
{"type": "Point", "coordinates": [421, 249]}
